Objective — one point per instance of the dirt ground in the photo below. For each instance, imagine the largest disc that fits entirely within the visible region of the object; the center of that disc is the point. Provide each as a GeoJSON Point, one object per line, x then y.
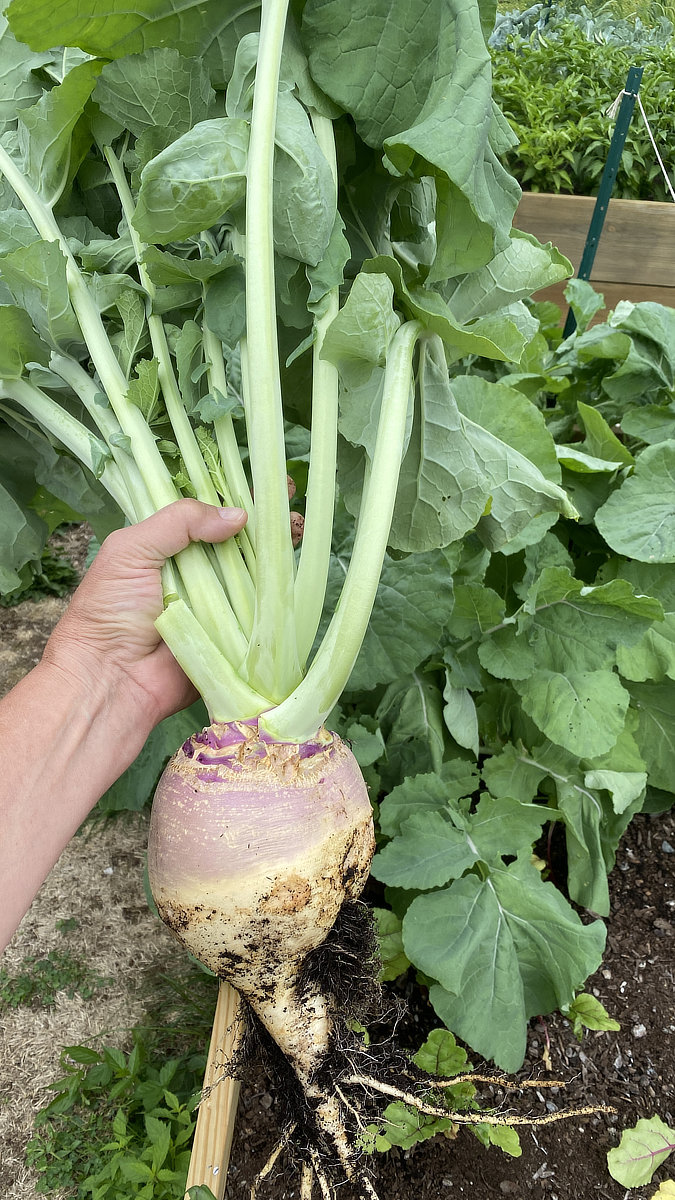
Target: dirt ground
{"type": "Point", "coordinates": [99, 881]}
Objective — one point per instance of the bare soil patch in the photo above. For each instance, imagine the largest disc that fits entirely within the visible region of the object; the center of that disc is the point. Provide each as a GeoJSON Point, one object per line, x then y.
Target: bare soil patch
{"type": "Point", "coordinates": [99, 882]}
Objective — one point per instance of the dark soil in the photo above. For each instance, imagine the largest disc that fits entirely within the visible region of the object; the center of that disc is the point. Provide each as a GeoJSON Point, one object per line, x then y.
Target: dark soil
{"type": "Point", "coordinates": [631, 1070]}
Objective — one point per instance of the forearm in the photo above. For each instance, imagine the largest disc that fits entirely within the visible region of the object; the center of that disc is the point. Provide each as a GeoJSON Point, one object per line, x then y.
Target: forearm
{"type": "Point", "coordinates": [64, 743]}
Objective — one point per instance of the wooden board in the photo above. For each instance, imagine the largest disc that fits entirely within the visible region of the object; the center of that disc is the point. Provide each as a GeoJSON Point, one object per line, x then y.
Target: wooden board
{"type": "Point", "coordinates": [218, 1108]}
{"type": "Point", "coordinates": [637, 245]}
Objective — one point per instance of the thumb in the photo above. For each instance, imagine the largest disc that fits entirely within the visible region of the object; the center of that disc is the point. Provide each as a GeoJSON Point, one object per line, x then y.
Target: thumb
{"type": "Point", "coordinates": [171, 529]}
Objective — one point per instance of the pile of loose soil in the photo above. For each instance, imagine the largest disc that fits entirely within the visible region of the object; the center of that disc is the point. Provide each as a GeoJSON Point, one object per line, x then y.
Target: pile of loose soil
{"type": "Point", "coordinates": [99, 882]}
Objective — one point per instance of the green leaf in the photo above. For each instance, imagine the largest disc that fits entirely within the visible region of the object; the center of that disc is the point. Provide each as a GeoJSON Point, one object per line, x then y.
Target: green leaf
{"type": "Point", "coordinates": [304, 191]}
{"type": "Point", "coordinates": [442, 492]}
{"type": "Point", "coordinates": [204, 29]}
{"type": "Point", "coordinates": [638, 519]}
{"type": "Point", "coordinates": [46, 130]}
{"type": "Point", "coordinates": [520, 269]}
{"type": "Point", "coordinates": [586, 1012]}
{"type": "Point", "coordinates": [641, 1152]}
{"type": "Point", "coordinates": [651, 423]}
{"type": "Point", "coordinates": [19, 343]}
{"type": "Point", "coordinates": [600, 440]}
{"type": "Point", "coordinates": [136, 1171]}
{"type": "Point", "coordinates": [19, 86]}
{"type": "Point", "coordinates": [143, 390]}
{"type": "Point", "coordinates": [426, 793]}
{"type": "Point", "coordinates": [405, 622]}
{"type": "Point", "coordinates": [36, 277]}
{"type": "Point", "coordinates": [512, 773]}
{"type": "Point", "coordinates": [434, 847]}
{"type": "Point", "coordinates": [390, 944]}
{"type": "Point", "coordinates": [411, 709]}
{"type": "Point", "coordinates": [441, 76]}
{"type": "Point", "coordinates": [459, 714]}
{"type": "Point", "coordinates": [502, 948]}
{"type": "Point", "coordinates": [429, 852]}
{"type": "Point", "coordinates": [20, 541]}
{"type": "Point", "coordinates": [403, 1126]}
{"type": "Point", "coordinates": [584, 301]}
{"type": "Point", "coordinates": [440, 1055]}
{"type": "Point", "coordinates": [359, 337]}
{"type": "Point", "coordinates": [571, 628]}
{"type": "Point", "coordinates": [584, 711]}
{"type": "Point", "coordinates": [493, 336]}
{"type": "Point", "coordinates": [190, 185]}
{"type": "Point", "coordinates": [159, 89]}
{"type": "Point", "coordinates": [506, 1137]}
{"type": "Point", "coordinates": [517, 455]}
{"type": "Point", "coordinates": [655, 734]}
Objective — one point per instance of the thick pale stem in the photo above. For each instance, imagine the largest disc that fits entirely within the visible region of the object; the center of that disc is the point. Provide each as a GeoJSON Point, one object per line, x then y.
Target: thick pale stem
{"type": "Point", "coordinates": [312, 576]}
{"type": "Point", "coordinates": [299, 716]}
{"type": "Point", "coordinates": [272, 661]}
{"type": "Point", "coordinates": [239, 605]}
{"type": "Point", "coordinates": [235, 475]}
{"type": "Point", "coordinates": [86, 390]}
{"type": "Point", "coordinates": [225, 694]}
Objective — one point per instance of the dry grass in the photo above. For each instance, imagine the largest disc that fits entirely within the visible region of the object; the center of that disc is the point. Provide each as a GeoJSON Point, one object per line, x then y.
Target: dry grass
{"type": "Point", "coordinates": [99, 881]}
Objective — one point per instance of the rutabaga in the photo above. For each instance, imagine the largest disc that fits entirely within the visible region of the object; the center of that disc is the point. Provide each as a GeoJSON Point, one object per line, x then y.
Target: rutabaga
{"type": "Point", "coordinates": [278, 224]}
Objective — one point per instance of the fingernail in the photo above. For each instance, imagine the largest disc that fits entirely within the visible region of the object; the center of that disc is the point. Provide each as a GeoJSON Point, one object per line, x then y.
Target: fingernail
{"type": "Point", "coordinates": [232, 514]}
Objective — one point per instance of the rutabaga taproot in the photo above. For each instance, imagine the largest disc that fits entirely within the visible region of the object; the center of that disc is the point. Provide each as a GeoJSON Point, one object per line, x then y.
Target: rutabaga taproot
{"type": "Point", "coordinates": [141, 361]}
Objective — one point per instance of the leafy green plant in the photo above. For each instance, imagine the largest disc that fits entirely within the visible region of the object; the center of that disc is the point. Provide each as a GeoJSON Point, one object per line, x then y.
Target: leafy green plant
{"type": "Point", "coordinates": [55, 576]}
{"type": "Point", "coordinates": [555, 91]}
{"type": "Point", "coordinates": [39, 980]}
{"type": "Point", "coordinates": [641, 1151]}
{"type": "Point", "coordinates": [122, 1120]}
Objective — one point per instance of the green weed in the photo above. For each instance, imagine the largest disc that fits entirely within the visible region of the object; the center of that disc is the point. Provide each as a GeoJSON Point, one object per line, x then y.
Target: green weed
{"type": "Point", "coordinates": [121, 1122]}
{"type": "Point", "coordinates": [41, 978]}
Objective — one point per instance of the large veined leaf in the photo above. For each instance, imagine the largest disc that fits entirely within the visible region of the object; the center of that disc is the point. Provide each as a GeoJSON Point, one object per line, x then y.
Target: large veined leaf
{"type": "Point", "coordinates": [502, 949]}
{"type": "Point", "coordinates": [191, 184]}
{"type": "Point", "coordinates": [426, 793]}
{"type": "Point", "coordinates": [19, 343]}
{"type": "Point", "coordinates": [520, 269]}
{"type": "Point", "coordinates": [208, 29]}
{"type": "Point", "coordinates": [46, 129]}
{"type": "Point", "coordinates": [641, 1152]}
{"type": "Point", "coordinates": [20, 540]}
{"type": "Point", "coordinates": [442, 77]}
{"type": "Point", "coordinates": [160, 87]}
{"type": "Point", "coordinates": [638, 519]}
{"type": "Point", "coordinates": [436, 846]}
{"type": "Point", "coordinates": [19, 87]}
{"type": "Point", "coordinates": [36, 277]}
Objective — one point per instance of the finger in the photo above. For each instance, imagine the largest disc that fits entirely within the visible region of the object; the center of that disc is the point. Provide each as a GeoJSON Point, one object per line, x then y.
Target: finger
{"type": "Point", "coordinates": [170, 530]}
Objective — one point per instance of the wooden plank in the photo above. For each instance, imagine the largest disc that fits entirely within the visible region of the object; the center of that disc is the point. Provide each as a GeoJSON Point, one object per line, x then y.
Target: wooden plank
{"type": "Point", "coordinates": [637, 243]}
{"type": "Point", "coordinates": [217, 1111]}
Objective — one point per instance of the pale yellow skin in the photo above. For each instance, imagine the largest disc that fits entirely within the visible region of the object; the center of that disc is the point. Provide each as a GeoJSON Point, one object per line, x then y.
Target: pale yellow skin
{"type": "Point", "coordinates": [250, 869]}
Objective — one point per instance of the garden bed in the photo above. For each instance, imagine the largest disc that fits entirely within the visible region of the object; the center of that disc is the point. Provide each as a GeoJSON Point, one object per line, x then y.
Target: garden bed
{"type": "Point", "coordinates": [99, 884]}
{"type": "Point", "coordinates": [635, 252]}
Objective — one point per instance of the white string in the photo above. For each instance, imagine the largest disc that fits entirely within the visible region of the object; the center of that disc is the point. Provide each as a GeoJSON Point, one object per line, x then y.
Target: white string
{"type": "Point", "coordinates": [656, 151]}
{"type": "Point", "coordinates": [611, 113]}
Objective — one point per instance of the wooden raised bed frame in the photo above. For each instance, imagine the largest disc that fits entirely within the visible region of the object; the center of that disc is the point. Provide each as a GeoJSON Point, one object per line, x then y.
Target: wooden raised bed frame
{"type": "Point", "coordinates": [636, 253]}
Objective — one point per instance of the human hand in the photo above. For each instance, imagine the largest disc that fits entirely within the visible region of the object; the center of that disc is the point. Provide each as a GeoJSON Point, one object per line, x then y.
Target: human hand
{"type": "Point", "coordinates": [107, 636]}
